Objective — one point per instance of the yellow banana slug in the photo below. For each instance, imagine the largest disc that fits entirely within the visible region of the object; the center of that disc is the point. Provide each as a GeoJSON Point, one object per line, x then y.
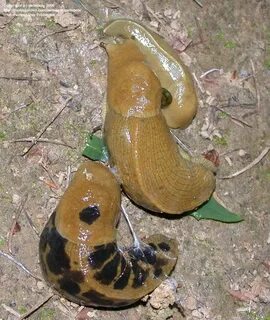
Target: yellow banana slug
{"type": "Point", "coordinates": [142, 150]}
{"type": "Point", "coordinates": [168, 67]}
{"type": "Point", "coordinates": [79, 255]}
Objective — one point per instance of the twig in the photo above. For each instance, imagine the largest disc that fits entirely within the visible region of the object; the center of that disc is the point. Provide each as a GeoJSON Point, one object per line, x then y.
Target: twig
{"type": "Point", "coordinates": [148, 9]}
{"type": "Point", "coordinates": [50, 176]}
{"type": "Point", "coordinates": [96, 129]}
{"type": "Point", "coordinates": [49, 184]}
{"type": "Point", "coordinates": [86, 9]}
{"type": "Point", "coordinates": [186, 45]}
{"type": "Point", "coordinates": [222, 154]}
{"type": "Point", "coordinates": [22, 106]}
{"type": "Point", "coordinates": [34, 140]}
{"type": "Point", "coordinates": [14, 223]}
{"type": "Point", "coordinates": [182, 145]}
{"type": "Point", "coordinates": [68, 176]}
{"type": "Point", "coordinates": [246, 78]}
{"type": "Point", "coordinates": [206, 73]}
{"type": "Point", "coordinates": [66, 310]}
{"type": "Point", "coordinates": [258, 97]}
{"type": "Point", "coordinates": [233, 117]}
{"type": "Point", "coordinates": [198, 3]}
{"type": "Point", "coordinates": [56, 32]}
{"type": "Point", "coordinates": [7, 23]}
{"type": "Point", "coordinates": [10, 310]}
{"type": "Point", "coordinates": [198, 82]}
{"type": "Point", "coordinates": [19, 264]}
{"type": "Point", "coordinates": [252, 164]}
{"type": "Point", "coordinates": [22, 78]}
{"type": "Point", "coordinates": [10, 234]}
{"type": "Point", "coordinates": [36, 307]}
{"type": "Point", "coordinates": [112, 4]}
{"type": "Point", "coordinates": [242, 105]}
{"type": "Point", "coordinates": [47, 126]}
{"type": "Point", "coordinates": [201, 35]}
{"type": "Point", "coordinates": [31, 223]}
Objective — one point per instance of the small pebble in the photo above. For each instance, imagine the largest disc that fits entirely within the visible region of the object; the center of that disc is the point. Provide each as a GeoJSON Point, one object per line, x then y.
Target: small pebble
{"type": "Point", "coordinates": [242, 153]}
{"type": "Point", "coordinates": [6, 144]}
{"type": "Point", "coordinates": [186, 58]}
{"type": "Point", "coordinates": [92, 314]}
{"type": "Point", "coordinates": [177, 14]}
{"type": "Point", "coordinates": [191, 303]}
{"type": "Point", "coordinates": [234, 286]}
{"type": "Point", "coordinates": [196, 314]}
{"type": "Point", "coordinates": [205, 312]}
{"type": "Point", "coordinates": [229, 161]}
{"type": "Point", "coordinates": [268, 239]}
{"type": "Point", "coordinates": [40, 285]}
{"type": "Point", "coordinates": [200, 235]}
{"type": "Point", "coordinates": [154, 24]}
{"type": "Point", "coordinates": [168, 13]}
{"type": "Point", "coordinates": [175, 25]}
{"type": "Point", "coordinates": [64, 301]}
{"type": "Point", "coordinates": [264, 295]}
{"type": "Point", "coordinates": [74, 305]}
{"type": "Point", "coordinates": [16, 199]}
{"type": "Point", "coordinates": [211, 100]}
{"type": "Point", "coordinates": [164, 295]}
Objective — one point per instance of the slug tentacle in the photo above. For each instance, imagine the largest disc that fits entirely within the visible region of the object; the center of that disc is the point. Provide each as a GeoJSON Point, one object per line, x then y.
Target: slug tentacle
{"type": "Point", "coordinates": [167, 66]}
{"type": "Point", "coordinates": [151, 169]}
{"type": "Point", "coordinates": [79, 254]}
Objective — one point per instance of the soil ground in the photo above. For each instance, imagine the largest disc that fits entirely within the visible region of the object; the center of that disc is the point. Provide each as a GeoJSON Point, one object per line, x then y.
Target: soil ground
{"type": "Point", "coordinates": [223, 270]}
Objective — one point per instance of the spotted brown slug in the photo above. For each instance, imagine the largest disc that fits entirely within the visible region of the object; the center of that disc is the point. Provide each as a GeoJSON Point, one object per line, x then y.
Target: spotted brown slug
{"type": "Point", "coordinates": [172, 73]}
{"type": "Point", "coordinates": [142, 150]}
{"type": "Point", "coordinates": [79, 255]}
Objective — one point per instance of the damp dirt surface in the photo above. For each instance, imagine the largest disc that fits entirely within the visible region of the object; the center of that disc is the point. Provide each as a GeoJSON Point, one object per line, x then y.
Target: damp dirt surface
{"type": "Point", "coordinates": [52, 86]}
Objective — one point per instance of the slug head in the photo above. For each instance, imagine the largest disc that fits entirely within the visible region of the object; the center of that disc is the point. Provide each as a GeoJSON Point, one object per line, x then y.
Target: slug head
{"type": "Point", "coordinates": [133, 88]}
{"type": "Point", "coordinates": [168, 67]}
{"type": "Point", "coordinates": [89, 206]}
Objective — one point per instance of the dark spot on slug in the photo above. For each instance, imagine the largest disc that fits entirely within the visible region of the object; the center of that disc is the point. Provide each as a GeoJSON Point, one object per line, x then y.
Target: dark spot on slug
{"type": "Point", "coordinates": [146, 254]}
{"type": "Point", "coordinates": [122, 281]}
{"type": "Point", "coordinates": [76, 276]}
{"type": "Point", "coordinates": [44, 235]}
{"type": "Point", "coordinates": [90, 214]}
{"type": "Point", "coordinates": [159, 264]}
{"type": "Point", "coordinates": [109, 271]}
{"type": "Point", "coordinates": [152, 245]}
{"type": "Point", "coordinates": [136, 253]}
{"type": "Point", "coordinates": [166, 98]}
{"type": "Point", "coordinates": [69, 286]}
{"type": "Point", "coordinates": [43, 239]}
{"type": "Point", "coordinates": [164, 246]}
{"type": "Point", "coordinates": [158, 267]}
{"type": "Point", "coordinates": [150, 255]}
{"type": "Point", "coordinates": [101, 300]}
{"type": "Point", "coordinates": [157, 272]}
{"type": "Point", "coordinates": [102, 253]}
{"type": "Point", "coordinates": [140, 275]}
{"type": "Point", "coordinates": [57, 259]}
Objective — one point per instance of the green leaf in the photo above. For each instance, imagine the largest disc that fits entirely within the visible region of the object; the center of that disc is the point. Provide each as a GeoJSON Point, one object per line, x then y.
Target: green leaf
{"type": "Point", "coordinates": [96, 149]}
{"type": "Point", "coordinates": [213, 210]}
